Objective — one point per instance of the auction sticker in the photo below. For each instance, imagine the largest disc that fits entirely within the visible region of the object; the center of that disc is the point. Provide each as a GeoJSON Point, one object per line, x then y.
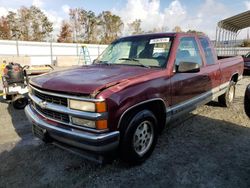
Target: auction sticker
{"type": "Point", "coordinates": [159, 40]}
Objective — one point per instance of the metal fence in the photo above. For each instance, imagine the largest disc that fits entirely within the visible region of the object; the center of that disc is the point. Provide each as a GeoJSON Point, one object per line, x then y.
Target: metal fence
{"type": "Point", "coordinates": [46, 52]}
{"type": "Point", "coordinates": [231, 51]}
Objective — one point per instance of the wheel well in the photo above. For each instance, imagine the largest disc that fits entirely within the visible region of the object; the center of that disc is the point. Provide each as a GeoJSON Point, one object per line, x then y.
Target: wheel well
{"type": "Point", "coordinates": [235, 77]}
{"type": "Point", "coordinates": [157, 107]}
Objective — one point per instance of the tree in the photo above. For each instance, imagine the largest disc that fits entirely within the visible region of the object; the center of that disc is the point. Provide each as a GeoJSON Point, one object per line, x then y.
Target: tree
{"type": "Point", "coordinates": [12, 19]}
{"type": "Point", "coordinates": [65, 33]}
{"type": "Point", "coordinates": [24, 18]}
{"type": "Point", "coordinates": [177, 29]}
{"type": "Point", "coordinates": [158, 30]}
{"type": "Point", "coordinates": [135, 27]}
{"type": "Point", "coordinates": [246, 43]}
{"type": "Point", "coordinates": [84, 25]}
{"type": "Point", "coordinates": [29, 24]}
{"type": "Point", "coordinates": [195, 32]}
{"type": "Point", "coordinates": [41, 27]}
{"type": "Point", "coordinates": [111, 26]}
{"type": "Point", "coordinates": [4, 28]}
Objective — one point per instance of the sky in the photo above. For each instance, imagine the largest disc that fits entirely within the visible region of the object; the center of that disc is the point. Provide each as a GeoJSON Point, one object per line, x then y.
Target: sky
{"type": "Point", "coordinates": [201, 15]}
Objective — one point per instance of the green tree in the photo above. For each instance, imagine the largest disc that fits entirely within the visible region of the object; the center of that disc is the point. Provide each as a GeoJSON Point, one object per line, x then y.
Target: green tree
{"type": "Point", "coordinates": [65, 33]}
{"type": "Point", "coordinates": [111, 26]}
{"type": "Point", "coordinates": [41, 27]}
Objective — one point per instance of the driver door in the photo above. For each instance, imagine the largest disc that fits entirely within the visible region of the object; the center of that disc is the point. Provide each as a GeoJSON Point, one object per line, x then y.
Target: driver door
{"type": "Point", "coordinates": [187, 88]}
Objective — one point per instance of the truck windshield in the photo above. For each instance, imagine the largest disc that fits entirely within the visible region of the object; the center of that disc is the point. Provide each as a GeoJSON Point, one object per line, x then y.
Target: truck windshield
{"type": "Point", "coordinates": [141, 51]}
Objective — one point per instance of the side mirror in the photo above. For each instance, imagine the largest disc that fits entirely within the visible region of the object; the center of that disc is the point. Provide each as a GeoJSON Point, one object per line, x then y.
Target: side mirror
{"type": "Point", "coordinates": [94, 61]}
{"type": "Point", "coordinates": [188, 67]}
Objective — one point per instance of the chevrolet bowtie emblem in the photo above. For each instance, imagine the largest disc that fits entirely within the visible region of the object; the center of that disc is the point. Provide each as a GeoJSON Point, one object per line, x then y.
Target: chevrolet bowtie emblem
{"type": "Point", "coordinates": [43, 104]}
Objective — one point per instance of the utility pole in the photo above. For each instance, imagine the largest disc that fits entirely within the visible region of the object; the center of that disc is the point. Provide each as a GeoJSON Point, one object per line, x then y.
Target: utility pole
{"type": "Point", "coordinates": [248, 34]}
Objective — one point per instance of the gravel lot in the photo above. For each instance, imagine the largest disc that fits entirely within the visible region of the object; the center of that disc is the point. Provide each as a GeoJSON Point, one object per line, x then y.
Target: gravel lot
{"type": "Point", "coordinates": [210, 147]}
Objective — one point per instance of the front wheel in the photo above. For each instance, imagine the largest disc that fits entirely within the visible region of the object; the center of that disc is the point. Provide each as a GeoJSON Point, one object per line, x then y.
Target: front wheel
{"type": "Point", "coordinates": [139, 137]}
{"type": "Point", "coordinates": [20, 103]}
{"type": "Point", "coordinates": [227, 98]}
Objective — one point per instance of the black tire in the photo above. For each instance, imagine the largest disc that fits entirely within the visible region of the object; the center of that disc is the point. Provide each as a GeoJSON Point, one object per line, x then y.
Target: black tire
{"type": "Point", "coordinates": [138, 137]}
{"type": "Point", "coordinates": [20, 103]}
{"type": "Point", "coordinates": [227, 98]}
{"type": "Point", "coordinates": [247, 102]}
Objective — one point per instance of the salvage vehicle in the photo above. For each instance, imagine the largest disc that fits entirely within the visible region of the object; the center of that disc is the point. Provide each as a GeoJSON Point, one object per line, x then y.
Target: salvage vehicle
{"type": "Point", "coordinates": [247, 61]}
{"type": "Point", "coordinates": [247, 101]}
{"type": "Point", "coordinates": [121, 102]}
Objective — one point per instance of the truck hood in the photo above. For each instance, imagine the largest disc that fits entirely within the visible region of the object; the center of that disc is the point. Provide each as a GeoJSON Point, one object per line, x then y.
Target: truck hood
{"type": "Point", "coordinates": [88, 79]}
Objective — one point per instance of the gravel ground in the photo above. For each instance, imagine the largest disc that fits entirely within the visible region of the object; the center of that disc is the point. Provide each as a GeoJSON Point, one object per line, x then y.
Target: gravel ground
{"type": "Point", "coordinates": [207, 148]}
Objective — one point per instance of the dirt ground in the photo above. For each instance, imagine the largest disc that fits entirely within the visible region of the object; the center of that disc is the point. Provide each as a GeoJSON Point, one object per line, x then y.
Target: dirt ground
{"type": "Point", "coordinates": [208, 148]}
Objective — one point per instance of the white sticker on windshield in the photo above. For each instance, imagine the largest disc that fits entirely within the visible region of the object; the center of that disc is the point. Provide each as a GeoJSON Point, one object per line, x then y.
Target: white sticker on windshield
{"type": "Point", "coordinates": [159, 40]}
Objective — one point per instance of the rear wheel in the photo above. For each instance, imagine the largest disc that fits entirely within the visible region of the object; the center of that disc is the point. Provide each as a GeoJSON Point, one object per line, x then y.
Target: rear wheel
{"type": "Point", "coordinates": [227, 98]}
{"type": "Point", "coordinates": [139, 137]}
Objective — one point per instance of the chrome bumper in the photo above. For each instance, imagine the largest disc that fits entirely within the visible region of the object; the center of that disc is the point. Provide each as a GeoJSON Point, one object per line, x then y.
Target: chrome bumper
{"type": "Point", "coordinates": [96, 142]}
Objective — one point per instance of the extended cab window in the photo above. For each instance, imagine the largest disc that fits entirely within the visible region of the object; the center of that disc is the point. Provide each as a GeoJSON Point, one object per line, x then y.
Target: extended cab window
{"type": "Point", "coordinates": [146, 51]}
{"type": "Point", "coordinates": [208, 51]}
{"type": "Point", "coordinates": [188, 51]}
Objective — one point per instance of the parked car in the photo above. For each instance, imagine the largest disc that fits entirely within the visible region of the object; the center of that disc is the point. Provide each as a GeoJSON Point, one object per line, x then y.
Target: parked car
{"type": "Point", "coordinates": [247, 61]}
{"type": "Point", "coordinates": [124, 100]}
{"type": "Point", "coordinates": [247, 101]}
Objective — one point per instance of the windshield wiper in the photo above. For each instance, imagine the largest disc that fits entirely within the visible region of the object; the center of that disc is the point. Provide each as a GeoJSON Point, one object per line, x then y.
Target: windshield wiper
{"type": "Point", "coordinates": [104, 62]}
{"type": "Point", "coordinates": [136, 60]}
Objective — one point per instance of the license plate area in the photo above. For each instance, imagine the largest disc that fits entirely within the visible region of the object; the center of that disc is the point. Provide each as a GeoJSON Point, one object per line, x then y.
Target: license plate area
{"type": "Point", "coordinates": [39, 132]}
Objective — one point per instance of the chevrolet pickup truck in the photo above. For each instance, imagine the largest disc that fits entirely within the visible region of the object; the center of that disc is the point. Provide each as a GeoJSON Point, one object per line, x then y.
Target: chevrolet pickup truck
{"type": "Point", "coordinates": [121, 102]}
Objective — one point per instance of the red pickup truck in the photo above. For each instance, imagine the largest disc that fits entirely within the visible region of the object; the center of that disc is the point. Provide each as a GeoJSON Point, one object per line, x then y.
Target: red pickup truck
{"type": "Point", "coordinates": [126, 97]}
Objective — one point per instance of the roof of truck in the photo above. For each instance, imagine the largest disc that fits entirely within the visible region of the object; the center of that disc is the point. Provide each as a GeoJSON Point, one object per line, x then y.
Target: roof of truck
{"type": "Point", "coordinates": [164, 34]}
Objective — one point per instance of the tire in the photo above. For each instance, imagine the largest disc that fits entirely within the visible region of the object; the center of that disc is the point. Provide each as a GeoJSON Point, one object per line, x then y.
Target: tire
{"type": "Point", "coordinates": [20, 103]}
{"type": "Point", "coordinates": [247, 103]}
{"type": "Point", "coordinates": [138, 137]}
{"type": "Point", "coordinates": [227, 98]}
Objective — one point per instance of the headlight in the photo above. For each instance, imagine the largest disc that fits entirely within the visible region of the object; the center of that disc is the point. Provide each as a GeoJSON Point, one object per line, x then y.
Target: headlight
{"type": "Point", "coordinates": [82, 105]}
{"type": "Point", "coordinates": [100, 124]}
{"type": "Point", "coordinates": [29, 89]}
{"type": "Point", "coordinates": [87, 106]}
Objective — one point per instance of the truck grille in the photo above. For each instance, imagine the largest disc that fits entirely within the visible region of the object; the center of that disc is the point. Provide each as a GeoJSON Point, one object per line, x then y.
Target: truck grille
{"type": "Point", "coordinates": [52, 114]}
{"type": "Point", "coordinates": [50, 98]}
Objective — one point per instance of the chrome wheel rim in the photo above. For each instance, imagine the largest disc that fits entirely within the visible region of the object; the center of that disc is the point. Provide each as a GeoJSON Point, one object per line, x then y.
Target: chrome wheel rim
{"type": "Point", "coordinates": [231, 94]}
{"type": "Point", "coordinates": [143, 137]}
